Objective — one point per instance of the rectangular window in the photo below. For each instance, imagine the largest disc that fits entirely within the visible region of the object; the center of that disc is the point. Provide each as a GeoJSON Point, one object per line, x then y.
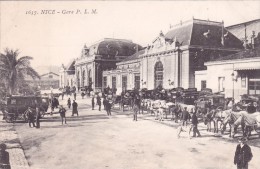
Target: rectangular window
{"type": "Point", "coordinates": [124, 82]}
{"type": "Point", "coordinates": [104, 82]}
{"type": "Point", "coordinates": [221, 84]}
{"type": "Point", "coordinates": [254, 86]}
{"type": "Point", "coordinates": [137, 81]}
{"type": "Point", "coordinates": [243, 80]}
{"type": "Point", "coordinates": [203, 84]}
{"type": "Point", "coordinates": [113, 82]}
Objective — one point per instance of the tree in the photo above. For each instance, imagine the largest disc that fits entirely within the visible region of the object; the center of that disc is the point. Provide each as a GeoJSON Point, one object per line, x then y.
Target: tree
{"type": "Point", "coordinates": [13, 70]}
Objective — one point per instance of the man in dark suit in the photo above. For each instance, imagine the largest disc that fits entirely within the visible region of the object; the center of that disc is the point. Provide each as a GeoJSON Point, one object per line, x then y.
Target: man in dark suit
{"type": "Point", "coordinates": [74, 108]}
{"type": "Point", "coordinates": [243, 154]}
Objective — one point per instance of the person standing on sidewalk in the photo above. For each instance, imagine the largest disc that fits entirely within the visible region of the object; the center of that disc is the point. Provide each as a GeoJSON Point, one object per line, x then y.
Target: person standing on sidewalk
{"type": "Point", "coordinates": [37, 117]}
{"type": "Point", "coordinates": [194, 121]}
{"type": "Point", "coordinates": [243, 154]}
{"type": "Point", "coordinates": [4, 157]}
{"type": "Point", "coordinates": [75, 108]}
{"type": "Point", "coordinates": [99, 102]}
{"type": "Point", "coordinates": [69, 103]}
{"type": "Point", "coordinates": [62, 112]}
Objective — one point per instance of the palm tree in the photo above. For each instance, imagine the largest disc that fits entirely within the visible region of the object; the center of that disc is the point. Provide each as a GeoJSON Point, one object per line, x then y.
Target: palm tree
{"type": "Point", "coordinates": [13, 70]}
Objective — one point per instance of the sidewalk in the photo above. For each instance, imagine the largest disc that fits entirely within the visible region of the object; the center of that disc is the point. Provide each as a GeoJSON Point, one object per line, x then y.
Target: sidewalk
{"type": "Point", "coordinates": [9, 136]}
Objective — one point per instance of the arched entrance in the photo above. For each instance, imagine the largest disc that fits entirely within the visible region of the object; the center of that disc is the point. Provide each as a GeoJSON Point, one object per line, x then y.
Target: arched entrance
{"type": "Point", "coordinates": [158, 74]}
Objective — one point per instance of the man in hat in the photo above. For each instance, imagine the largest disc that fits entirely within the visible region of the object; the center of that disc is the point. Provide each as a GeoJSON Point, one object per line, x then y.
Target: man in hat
{"type": "Point", "coordinates": [243, 154]}
{"type": "Point", "coordinates": [185, 116]}
{"type": "Point", "coordinates": [4, 157]}
{"type": "Point", "coordinates": [62, 112]}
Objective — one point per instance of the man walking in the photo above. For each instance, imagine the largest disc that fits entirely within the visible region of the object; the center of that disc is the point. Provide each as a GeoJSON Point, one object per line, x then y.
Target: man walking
{"type": "Point", "coordinates": [69, 103]}
{"type": "Point", "coordinates": [194, 121]}
{"type": "Point", "coordinates": [75, 96]}
{"type": "Point", "coordinates": [74, 108]}
{"type": "Point", "coordinates": [185, 117]}
{"type": "Point", "coordinates": [99, 102]}
{"type": "Point", "coordinates": [243, 154]}
{"type": "Point", "coordinates": [62, 112]}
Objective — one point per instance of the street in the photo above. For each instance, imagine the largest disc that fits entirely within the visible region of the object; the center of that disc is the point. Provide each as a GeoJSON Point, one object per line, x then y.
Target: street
{"type": "Point", "coordinates": [94, 140]}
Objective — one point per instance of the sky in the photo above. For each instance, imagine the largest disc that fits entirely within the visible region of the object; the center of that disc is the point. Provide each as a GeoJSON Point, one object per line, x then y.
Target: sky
{"type": "Point", "coordinates": [55, 39]}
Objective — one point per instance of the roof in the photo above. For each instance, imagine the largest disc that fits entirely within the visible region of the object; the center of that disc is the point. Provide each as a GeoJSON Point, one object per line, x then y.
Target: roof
{"type": "Point", "coordinates": [134, 56]}
{"type": "Point", "coordinates": [109, 47]}
{"type": "Point", "coordinates": [252, 53]}
{"type": "Point", "coordinates": [203, 33]}
{"type": "Point", "coordinates": [243, 24]}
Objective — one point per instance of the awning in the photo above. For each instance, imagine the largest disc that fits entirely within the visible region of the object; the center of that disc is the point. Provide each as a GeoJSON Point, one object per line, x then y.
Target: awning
{"type": "Point", "coordinates": [247, 66]}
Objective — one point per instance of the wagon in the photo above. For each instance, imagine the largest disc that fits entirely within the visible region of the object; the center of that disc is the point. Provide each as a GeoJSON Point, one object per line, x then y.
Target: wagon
{"type": "Point", "coordinates": [16, 106]}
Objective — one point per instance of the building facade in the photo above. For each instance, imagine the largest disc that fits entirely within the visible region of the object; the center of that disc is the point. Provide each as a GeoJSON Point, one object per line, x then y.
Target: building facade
{"type": "Point", "coordinates": [236, 74]}
{"type": "Point", "coordinates": [99, 57]}
{"type": "Point", "coordinates": [172, 58]}
{"type": "Point", "coordinates": [67, 75]}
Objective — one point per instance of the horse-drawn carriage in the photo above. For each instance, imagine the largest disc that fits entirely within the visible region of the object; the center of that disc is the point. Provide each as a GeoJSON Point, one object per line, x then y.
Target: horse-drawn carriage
{"type": "Point", "coordinates": [16, 106]}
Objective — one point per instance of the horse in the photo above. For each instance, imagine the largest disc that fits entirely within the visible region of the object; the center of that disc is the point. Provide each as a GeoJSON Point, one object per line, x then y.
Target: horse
{"type": "Point", "coordinates": [230, 119]}
{"type": "Point", "coordinates": [215, 116]}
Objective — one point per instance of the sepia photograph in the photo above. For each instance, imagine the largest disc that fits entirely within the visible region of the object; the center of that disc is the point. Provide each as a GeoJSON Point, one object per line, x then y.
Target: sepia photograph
{"type": "Point", "coordinates": [129, 84]}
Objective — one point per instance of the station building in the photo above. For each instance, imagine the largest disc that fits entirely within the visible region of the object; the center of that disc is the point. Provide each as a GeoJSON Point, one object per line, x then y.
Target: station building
{"type": "Point", "coordinates": [172, 58]}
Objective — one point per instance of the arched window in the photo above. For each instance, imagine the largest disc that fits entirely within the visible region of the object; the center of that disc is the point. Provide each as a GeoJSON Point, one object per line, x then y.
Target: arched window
{"type": "Point", "coordinates": [89, 77]}
{"type": "Point", "coordinates": [83, 78]}
{"type": "Point", "coordinates": [78, 75]}
{"type": "Point", "coordinates": [158, 74]}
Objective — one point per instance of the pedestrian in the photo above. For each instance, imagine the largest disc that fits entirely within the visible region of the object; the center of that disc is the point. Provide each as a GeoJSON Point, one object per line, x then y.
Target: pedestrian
{"type": "Point", "coordinates": [99, 102]}
{"type": "Point", "coordinates": [105, 103]}
{"type": "Point", "coordinates": [4, 157]}
{"type": "Point", "coordinates": [243, 154]}
{"type": "Point", "coordinates": [93, 102]}
{"type": "Point", "coordinates": [69, 103]}
{"type": "Point", "coordinates": [30, 115]}
{"type": "Point", "coordinates": [75, 96]}
{"type": "Point", "coordinates": [194, 121]}
{"type": "Point", "coordinates": [82, 95]}
{"type": "Point", "coordinates": [37, 117]}
{"type": "Point", "coordinates": [135, 111]}
{"type": "Point", "coordinates": [185, 116]}
{"type": "Point", "coordinates": [62, 112]}
{"type": "Point", "coordinates": [75, 108]}
{"type": "Point", "coordinates": [107, 106]}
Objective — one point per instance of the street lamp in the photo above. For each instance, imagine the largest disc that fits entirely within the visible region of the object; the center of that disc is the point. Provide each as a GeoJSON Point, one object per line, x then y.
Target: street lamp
{"type": "Point", "coordinates": [170, 82]}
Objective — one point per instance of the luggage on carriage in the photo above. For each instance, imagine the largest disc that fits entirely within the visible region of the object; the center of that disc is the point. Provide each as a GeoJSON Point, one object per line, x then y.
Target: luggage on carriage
{"type": "Point", "coordinates": [190, 95]}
